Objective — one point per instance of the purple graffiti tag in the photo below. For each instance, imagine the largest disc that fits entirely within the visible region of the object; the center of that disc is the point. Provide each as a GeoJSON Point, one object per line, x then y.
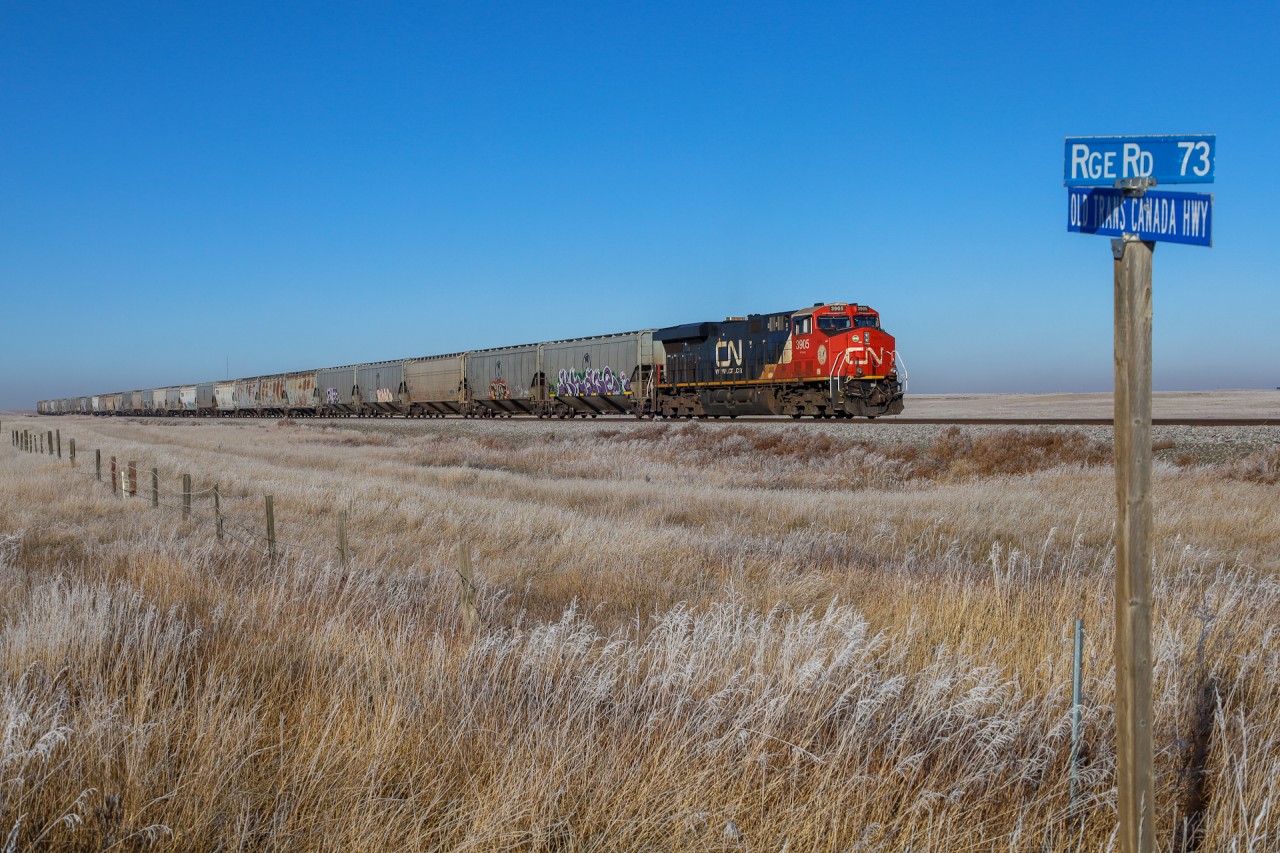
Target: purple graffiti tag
{"type": "Point", "coordinates": [572, 383]}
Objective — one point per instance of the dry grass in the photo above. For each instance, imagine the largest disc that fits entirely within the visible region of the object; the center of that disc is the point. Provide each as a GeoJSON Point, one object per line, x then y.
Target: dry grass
{"type": "Point", "coordinates": [694, 637]}
{"type": "Point", "coordinates": [1260, 467]}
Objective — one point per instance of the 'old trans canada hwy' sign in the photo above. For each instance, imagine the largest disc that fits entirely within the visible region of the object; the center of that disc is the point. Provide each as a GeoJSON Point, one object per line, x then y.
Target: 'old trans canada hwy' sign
{"type": "Point", "coordinates": [1168, 217]}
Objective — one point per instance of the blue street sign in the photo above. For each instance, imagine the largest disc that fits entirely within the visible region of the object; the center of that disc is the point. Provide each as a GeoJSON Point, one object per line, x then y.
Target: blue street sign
{"type": "Point", "coordinates": [1162, 216]}
{"type": "Point", "coordinates": [1101, 161]}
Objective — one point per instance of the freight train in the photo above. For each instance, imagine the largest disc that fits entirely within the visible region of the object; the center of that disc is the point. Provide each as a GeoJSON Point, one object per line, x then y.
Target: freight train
{"type": "Point", "coordinates": [832, 360]}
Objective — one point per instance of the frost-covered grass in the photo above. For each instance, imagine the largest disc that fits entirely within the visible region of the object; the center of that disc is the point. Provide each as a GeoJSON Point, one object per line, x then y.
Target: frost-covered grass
{"type": "Point", "coordinates": [714, 637]}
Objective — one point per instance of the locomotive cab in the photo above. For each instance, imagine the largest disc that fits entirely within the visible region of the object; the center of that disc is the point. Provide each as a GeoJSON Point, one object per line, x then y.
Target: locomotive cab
{"type": "Point", "coordinates": [841, 340]}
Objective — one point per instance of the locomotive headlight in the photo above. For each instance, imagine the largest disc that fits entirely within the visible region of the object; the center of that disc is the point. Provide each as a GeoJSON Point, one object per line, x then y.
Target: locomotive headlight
{"type": "Point", "coordinates": [866, 337]}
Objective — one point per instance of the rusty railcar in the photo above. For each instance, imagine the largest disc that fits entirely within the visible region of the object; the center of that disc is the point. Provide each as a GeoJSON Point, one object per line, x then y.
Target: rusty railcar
{"type": "Point", "coordinates": [246, 397]}
{"type": "Point", "coordinates": [300, 392]}
{"type": "Point", "coordinates": [224, 398]}
{"type": "Point", "coordinates": [272, 400]}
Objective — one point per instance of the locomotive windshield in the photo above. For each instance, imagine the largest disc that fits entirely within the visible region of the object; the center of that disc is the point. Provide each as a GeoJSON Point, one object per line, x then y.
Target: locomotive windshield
{"type": "Point", "coordinates": [866, 321]}
{"type": "Point", "coordinates": [834, 324]}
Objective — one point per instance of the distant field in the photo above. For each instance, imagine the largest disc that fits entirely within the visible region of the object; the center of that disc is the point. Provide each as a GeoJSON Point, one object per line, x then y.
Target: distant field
{"type": "Point", "coordinates": [687, 636]}
{"type": "Point", "coordinates": [1164, 404]}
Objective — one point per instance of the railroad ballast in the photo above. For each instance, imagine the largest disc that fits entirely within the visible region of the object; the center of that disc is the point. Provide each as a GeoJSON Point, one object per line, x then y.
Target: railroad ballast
{"type": "Point", "coordinates": [830, 360]}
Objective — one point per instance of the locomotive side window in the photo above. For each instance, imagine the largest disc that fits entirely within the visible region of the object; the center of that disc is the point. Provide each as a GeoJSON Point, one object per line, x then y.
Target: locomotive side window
{"type": "Point", "coordinates": [804, 325]}
{"type": "Point", "coordinates": [866, 321]}
{"type": "Point", "coordinates": [833, 325]}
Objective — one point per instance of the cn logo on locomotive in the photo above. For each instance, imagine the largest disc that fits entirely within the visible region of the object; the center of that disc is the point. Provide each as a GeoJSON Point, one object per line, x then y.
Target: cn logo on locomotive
{"type": "Point", "coordinates": [732, 353]}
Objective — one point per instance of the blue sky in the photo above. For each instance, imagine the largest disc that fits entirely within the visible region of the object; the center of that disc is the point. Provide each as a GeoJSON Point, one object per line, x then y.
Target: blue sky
{"type": "Point", "coordinates": [191, 187]}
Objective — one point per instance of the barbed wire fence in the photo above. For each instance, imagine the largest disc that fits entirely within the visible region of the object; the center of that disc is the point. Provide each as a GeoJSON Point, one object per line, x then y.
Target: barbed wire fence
{"type": "Point", "coordinates": [122, 477]}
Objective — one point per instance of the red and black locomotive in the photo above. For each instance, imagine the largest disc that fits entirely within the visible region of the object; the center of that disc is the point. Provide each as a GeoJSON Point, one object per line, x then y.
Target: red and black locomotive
{"type": "Point", "coordinates": [830, 360]}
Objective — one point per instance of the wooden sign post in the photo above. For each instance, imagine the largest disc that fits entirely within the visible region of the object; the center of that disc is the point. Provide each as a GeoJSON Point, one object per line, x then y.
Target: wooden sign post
{"type": "Point", "coordinates": [1135, 756]}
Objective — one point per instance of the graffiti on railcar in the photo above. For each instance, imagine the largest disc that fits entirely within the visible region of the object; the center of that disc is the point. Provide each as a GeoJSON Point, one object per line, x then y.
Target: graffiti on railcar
{"type": "Point", "coordinates": [579, 383]}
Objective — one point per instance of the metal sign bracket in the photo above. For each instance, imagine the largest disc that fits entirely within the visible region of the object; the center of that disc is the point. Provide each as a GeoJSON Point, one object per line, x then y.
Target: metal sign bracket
{"type": "Point", "coordinates": [1135, 187]}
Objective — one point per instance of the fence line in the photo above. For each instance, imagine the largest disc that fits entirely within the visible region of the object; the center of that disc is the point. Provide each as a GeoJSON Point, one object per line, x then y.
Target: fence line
{"type": "Point", "coordinates": [227, 527]}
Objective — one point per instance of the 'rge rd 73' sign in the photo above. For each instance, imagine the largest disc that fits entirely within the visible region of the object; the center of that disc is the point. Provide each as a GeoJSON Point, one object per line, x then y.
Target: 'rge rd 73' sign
{"type": "Point", "coordinates": [1102, 161]}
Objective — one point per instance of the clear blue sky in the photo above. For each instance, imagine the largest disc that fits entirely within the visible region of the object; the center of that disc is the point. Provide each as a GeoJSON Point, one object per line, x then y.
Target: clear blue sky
{"type": "Point", "coordinates": [292, 185]}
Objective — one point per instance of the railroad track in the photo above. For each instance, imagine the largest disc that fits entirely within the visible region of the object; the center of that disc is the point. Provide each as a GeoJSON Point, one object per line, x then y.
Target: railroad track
{"type": "Point", "coordinates": [780, 419]}
{"type": "Point", "coordinates": [891, 420]}
{"type": "Point", "coordinates": [1192, 422]}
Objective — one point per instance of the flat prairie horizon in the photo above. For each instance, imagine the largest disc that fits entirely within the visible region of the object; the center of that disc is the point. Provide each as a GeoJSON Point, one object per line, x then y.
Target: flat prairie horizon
{"type": "Point", "coordinates": [1225, 404]}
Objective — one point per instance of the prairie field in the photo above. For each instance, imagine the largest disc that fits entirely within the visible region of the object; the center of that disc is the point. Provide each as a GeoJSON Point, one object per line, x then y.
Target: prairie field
{"type": "Point", "coordinates": [622, 635]}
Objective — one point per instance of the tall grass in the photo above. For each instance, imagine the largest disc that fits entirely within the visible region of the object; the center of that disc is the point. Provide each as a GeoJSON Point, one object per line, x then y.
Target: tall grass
{"type": "Point", "coordinates": [688, 638]}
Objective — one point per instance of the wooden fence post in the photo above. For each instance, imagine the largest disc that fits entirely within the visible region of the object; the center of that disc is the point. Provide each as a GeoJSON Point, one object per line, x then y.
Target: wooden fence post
{"type": "Point", "coordinates": [50, 442]}
{"type": "Point", "coordinates": [468, 586]}
{"type": "Point", "coordinates": [113, 475]}
{"type": "Point", "coordinates": [186, 496]}
{"type": "Point", "coordinates": [59, 432]}
{"type": "Point", "coordinates": [217, 509]}
{"type": "Point", "coordinates": [271, 528]}
{"type": "Point", "coordinates": [97, 464]}
{"type": "Point", "coordinates": [155, 487]}
{"type": "Point", "coordinates": [343, 554]}
{"type": "Point", "coordinates": [72, 450]}
{"type": "Point", "coordinates": [133, 479]}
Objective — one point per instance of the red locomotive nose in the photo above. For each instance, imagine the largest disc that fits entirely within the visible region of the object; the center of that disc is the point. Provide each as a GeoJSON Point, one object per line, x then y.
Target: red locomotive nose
{"type": "Point", "coordinates": [867, 352]}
